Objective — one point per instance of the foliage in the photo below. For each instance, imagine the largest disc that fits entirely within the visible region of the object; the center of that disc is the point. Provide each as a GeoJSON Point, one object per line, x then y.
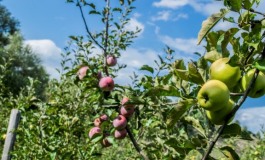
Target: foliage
{"type": "Point", "coordinates": [8, 25]}
{"type": "Point", "coordinates": [167, 123]}
{"type": "Point", "coordinates": [18, 63]}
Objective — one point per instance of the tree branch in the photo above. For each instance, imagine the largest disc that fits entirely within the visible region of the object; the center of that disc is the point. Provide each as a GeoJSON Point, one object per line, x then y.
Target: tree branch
{"type": "Point", "coordinates": [86, 26]}
{"type": "Point", "coordinates": [254, 11]}
{"type": "Point", "coordinates": [106, 37]}
{"type": "Point", "coordinates": [136, 146]}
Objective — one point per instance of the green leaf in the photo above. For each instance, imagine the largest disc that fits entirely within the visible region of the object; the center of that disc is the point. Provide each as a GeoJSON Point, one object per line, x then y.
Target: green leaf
{"type": "Point", "coordinates": [260, 65]}
{"type": "Point", "coordinates": [147, 68]}
{"type": "Point", "coordinates": [194, 74]}
{"type": "Point", "coordinates": [212, 56]}
{"type": "Point", "coordinates": [231, 130]}
{"type": "Point", "coordinates": [94, 12]}
{"type": "Point", "coordinates": [121, 2]}
{"type": "Point", "coordinates": [246, 4]}
{"type": "Point", "coordinates": [195, 123]}
{"type": "Point", "coordinates": [163, 90]}
{"type": "Point", "coordinates": [234, 5]}
{"type": "Point", "coordinates": [209, 23]}
{"type": "Point", "coordinates": [177, 111]}
{"type": "Point", "coordinates": [217, 154]}
{"type": "Point", "coordinates": [230, 153]}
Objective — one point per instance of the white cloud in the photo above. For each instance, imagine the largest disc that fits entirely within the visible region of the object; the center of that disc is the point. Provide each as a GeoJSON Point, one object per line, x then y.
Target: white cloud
{"type": "Point", "coordinates": [252, 118]}
{"type": "Point", "coordinates": [134, 59]}
{"type": "Point", "coordinates": [133, 24]}
{"type": "Point", "coordinates": [162, 15]}
{"type": "Point", "coordinates": [205, 7]}
{"type": "Point", "coordinates": [168, 16]}
{"type": "Point", "coordinates": [171, 3]}
{"type": "Point", "coordinates": [49, 54]}
{"type": "Point", "coordinates": [187, 46]}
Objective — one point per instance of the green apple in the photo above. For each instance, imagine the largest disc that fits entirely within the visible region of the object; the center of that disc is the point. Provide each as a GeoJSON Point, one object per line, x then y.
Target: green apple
{"type": "Point", "coordinates": [258, 88]}
{"type": "Point", "coordinates": [218, 117]}
{"type": "Point", "coordinates": [213, 95]}
{"type": "Point", "coordinates": [221, 70]}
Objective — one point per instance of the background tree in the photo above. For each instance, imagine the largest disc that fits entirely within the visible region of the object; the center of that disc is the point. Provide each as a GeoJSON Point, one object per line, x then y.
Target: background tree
{"type": "Point", "coordinates": [17, 60]}
{"type": "Point", "coordinates": [8, 25]}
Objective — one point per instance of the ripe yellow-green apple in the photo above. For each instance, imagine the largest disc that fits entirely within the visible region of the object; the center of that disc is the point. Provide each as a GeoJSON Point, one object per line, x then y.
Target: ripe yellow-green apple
{"type": "Point", "coordinates": [94, 132]}
{"type": "Point", "coordinates": [106, 83]}
{"type": "Point", "coordinates": [81, 73]}
{"type": "Point", "coordinates": [111, 60]}
{"type": "Point", "coordinates": [258, 88]}
{"type": "Point", "coordinates": [119, 122]}
{"type": "Point", "coordinates": [221, 70]}
{"type": "Point", "coordinates": [218, 117]}
{"type": "Point", "coordinates": [120, 134]}
{"type": "Point", "coordinates": [213, 95]}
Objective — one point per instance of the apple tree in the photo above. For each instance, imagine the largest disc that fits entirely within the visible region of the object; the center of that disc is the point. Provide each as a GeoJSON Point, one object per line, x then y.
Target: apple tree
{"type": "Point", "coordinates": [177, 110]}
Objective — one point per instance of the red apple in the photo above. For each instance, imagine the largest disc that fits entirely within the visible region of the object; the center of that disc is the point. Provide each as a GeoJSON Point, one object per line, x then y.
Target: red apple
{"type": "Point", "coordinates": [82, 72]}
{"type": "Point", "coordinates": [119, 122]}
{"type": "Point", "coordinates": [94, 132]}
{"type": "Point", "coordinates": [104, 117]}
{"type": "Point", "coordinates": [111, 60]}
{"type": "Point", "coordinates": [105, 142]}
{"type": "Point", "coordinates": [106, 83]}
{"type": "Point", "coordinates": [120, 134]}
{"type": "Point", "coordinates": [127, 106]}
{"type": "Point", "coordinates": [126, 112]}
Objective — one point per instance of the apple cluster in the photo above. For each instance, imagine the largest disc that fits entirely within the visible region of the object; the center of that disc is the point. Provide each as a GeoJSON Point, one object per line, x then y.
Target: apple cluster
{"type": "Point", "coordinates": [214, 95]}
{"type": "Point", "coordinates": [105, 83]}
{"type": "Point", "coordinates": [97, 131]}
{"type": "Point", "coordinates": [120, 122]}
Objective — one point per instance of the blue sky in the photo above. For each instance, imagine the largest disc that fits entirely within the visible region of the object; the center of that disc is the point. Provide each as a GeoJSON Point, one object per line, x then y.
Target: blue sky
{"type": "Point", "coordinates": [46, 26]}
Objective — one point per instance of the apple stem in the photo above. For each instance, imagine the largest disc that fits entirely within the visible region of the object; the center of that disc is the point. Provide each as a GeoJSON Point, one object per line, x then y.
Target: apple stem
{"type": "Point", "coordinates": [236, 94]}
{"type": "Point", "coordinates": [231, 114]}
{"type": "Point", "coordinates": [135, 144]}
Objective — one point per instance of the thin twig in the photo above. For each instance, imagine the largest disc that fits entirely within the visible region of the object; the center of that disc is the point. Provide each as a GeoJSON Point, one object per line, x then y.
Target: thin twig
{"type": "Point", "coordinates": [236, 94]}
{"type": "Point", "coordinates": [136, 146]}
{"type": "Point", "coordinates": [86, 26]}
{"type": "Point", "coordinates": [254, 11]}
{"type": "Point", "coordinates": [106, 36]}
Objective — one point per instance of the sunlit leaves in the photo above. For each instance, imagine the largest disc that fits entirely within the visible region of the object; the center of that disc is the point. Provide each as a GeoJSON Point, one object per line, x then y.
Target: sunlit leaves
{"type": "Point", "coordinates": [208, 24]}
{"type": "Point", "coordinates": [177, 111]}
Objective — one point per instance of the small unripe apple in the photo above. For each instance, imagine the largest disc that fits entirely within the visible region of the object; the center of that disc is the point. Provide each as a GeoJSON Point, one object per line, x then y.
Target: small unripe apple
{"type": "Point", "coordinates": [97, 122]}
{"type": "Point", "coordinates": [126, 112]}
{"type": "Point", "coordinates": [120, 134]}
{"type": "Point", "coordinates": [126, 106]}
{"type": "Point", "coordinates": [111, 60]}
{"type": "Point", "coordinates": [258, 89]}
{"type": "Point", "coordinates": [105, 142]}
{"type": "Point", "coordinates": [94, 132]}
{"type": "Point", "coordinates": [213, 95]}
{"type": "Point", "coordinates": [106, 83]}
{"type": "Point", "coordinates": [120, 122]}
{"type": "Point", "coordinates": [82, 72]}
{"type": "Point", "coordinates": [221, 70]}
